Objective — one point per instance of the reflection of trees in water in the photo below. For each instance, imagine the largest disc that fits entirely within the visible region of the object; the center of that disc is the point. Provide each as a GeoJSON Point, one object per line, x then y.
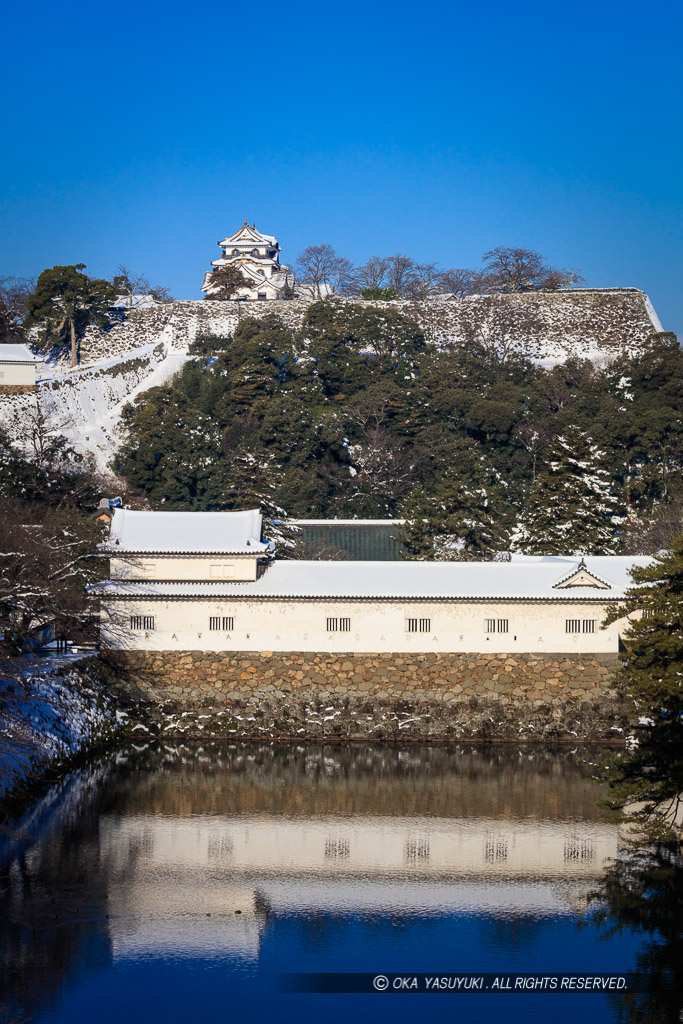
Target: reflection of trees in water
{"type": "Point", "coordinates": [458, 781]}
{"type": "Point", "coordinates": [643, 892]}
{"type": "Point", "coordinates": [53, 897]}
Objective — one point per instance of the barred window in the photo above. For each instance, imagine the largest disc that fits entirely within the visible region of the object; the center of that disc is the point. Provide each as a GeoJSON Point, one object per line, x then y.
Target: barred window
{"type": "Point", "coordinates": [226, 622]}
{"type": "Point", "coordinates": [339, 625]}
{"type": "Point", "coordinates": [418, 625]}
{"type": "Point", "coordinates": [572, 625]}
{"type": "Point", "coordinates": [588, 625]}
{"type": "Point", "coordinates": [142, 622]}
{"type": "Point", "coordinates": [496, 625]}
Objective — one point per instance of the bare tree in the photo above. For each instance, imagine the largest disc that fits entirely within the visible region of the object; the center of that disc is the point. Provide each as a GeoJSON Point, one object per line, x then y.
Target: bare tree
{"type": "Point", "coordinates": [513, 269]}
{"type": "Point", "coordinates": [561, 279]}
{"type": "Point", "coordinates": [459, 282]}
{"type": "Point", "coordinates": [400, 273]}
{"type": "Point", "coordinates": [129, 284]}
{"type": "Point", "coordinates": [46, 561]}
{"type": "Point", "coordinates": [14, 293]}
{"type": "Point", "coordinates": [372, 274]}
{"type": "Point", "coordinates": [323, 271]}
{"type": "Point", "coordinates": [423, 282]}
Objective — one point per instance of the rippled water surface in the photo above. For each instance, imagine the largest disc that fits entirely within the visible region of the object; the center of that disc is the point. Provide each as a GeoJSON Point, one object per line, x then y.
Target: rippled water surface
{"type": "Point", "coordinates": [180, 884]}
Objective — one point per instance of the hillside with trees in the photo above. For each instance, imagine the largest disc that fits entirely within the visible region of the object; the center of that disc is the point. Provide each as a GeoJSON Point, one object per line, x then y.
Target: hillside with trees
{"type": "Point", "coordinates": [355, 415]}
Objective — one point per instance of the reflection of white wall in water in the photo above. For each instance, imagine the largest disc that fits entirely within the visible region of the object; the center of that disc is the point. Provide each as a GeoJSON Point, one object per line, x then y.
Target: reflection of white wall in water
{"type": "Point", "coordinates": [340, 846]}
{"type": "Point", "coordinates": [176, 883]}
{"type": "Point", "coordinates": [187, 914]}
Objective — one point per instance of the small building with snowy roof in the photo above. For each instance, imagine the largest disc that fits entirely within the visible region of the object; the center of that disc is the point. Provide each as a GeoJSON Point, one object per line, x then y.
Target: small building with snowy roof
{"type": "Point", "coordinates": [204, 581]}
{"type": "Point", "coordinates": [17, 366]}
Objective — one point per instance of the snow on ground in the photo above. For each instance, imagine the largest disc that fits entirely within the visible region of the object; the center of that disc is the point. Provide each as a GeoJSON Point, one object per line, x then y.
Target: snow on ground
{"type": "Point", "coordinates": [50, 709]}
{"type": "Point", "coordinates": [97, 431]}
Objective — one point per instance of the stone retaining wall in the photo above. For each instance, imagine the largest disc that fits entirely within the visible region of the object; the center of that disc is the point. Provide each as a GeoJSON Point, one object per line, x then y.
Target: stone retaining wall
{"type": "Point", "coordinates": [550, 696]}
{"type": "Point", "coordinates": [585, 323]}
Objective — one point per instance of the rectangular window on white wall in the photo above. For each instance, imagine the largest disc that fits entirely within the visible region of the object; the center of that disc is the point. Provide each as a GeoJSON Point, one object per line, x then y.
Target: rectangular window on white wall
{"type": "Point", "coordinates": [572, 625]}
{"type": "Point", "coordinates": [418, 625]}
{"type": "Point", "coordinates": [496, 625]}
{"type": "Point", "coordinates": [588, 625]}
{"type": "Point", "coordinates": [224, 622]}
{"type": "Point", "coordinates": [142, 622]}
{"type": "Point", "coordinates": [336, 625]}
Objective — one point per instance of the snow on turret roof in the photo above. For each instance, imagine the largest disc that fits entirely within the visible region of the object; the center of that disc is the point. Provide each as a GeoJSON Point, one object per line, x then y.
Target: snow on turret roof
{"type": "Point", "coordinates": [234, 533]}
{"type": "Point", "coordinates": [530, 580]}
{"type": "Point", "coordinates": [248, 233]}
{"type": "Point", "coordinates": [17, 354]}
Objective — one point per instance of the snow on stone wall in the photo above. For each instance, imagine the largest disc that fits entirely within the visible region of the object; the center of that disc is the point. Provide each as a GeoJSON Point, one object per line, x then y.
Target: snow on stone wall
{"type": "Point", "coordinates": [544, 325]}
{"type": "Point", "coordinates": [150, 345]}
{"type": "Point", "coordinates": [83, 399]}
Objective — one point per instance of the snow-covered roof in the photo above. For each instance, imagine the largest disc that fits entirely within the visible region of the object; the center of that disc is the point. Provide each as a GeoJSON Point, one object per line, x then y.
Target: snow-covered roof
{"type": "Point", "coordinates": [16, 353]}
{"type": "Point", "coordinates": [247, 234]}
{"type": "Point", "coordinates": [234, 533]}
{"type": "Point", "coordinates": [531, 580]}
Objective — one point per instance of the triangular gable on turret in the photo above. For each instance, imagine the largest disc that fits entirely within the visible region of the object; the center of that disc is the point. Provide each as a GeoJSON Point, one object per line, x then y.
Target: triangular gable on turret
{"type": "Point", "coordinates": [581, 576]}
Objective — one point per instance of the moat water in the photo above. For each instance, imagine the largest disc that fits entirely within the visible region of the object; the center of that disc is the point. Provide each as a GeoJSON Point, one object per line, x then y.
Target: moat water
{"type": "Point", "coordinates": [185, 884]}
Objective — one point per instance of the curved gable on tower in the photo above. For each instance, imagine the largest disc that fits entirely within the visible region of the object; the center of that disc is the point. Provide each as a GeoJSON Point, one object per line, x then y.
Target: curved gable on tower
{"type": "Point", "coordinates": [247, 235]}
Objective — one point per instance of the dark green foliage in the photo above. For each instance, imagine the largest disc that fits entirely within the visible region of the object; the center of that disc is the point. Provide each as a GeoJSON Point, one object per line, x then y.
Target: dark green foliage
{"type": "Point", "coordinates": [465, 515]}
{"type": "Point", "coordinates": [572, 506]}
{"type": "Point", "coordinates": [379, 294]}
{"type": "Point", "coordinates": [651, 774]}
{"type": "Point", "coordinates": [175, 458]}
{"type": "Point", "coordinates": [355, 415]}
{"type": "Point", "coordinates": [225, 282]}
{"type": "Point", "coordinates": [65, 301]}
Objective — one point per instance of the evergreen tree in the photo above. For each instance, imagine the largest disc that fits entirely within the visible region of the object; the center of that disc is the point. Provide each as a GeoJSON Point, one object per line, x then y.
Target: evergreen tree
{"type": "Point", "coordinates": [647, 781]}
{"type": "Point", "coordinates": [572, 508]}
{"type": "Point", "coordinates": [225, 282]}
{"type": "Point", "coordinates": [65, 301]}
{"type": "Point", "coordinates": [172, 453]}
{"type": "Point", "coordinates": [461, 519]}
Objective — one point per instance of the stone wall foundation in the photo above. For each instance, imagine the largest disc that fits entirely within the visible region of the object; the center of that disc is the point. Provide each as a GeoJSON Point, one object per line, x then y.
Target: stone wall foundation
{"type": "Point", "coordinates": [459, 696]}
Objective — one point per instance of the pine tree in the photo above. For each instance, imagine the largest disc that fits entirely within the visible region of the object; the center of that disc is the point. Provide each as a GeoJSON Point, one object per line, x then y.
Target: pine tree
{"type": "Point", "coordinates": [65, 301]}
{"type": "Point", "coordinates": [649, 777]}
{"type": "Point", "coordinates": [572, 507]}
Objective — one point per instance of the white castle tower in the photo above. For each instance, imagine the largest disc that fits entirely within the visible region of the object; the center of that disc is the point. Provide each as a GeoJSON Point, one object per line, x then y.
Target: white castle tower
{"type": "Point", "coordinates": [258, 258]}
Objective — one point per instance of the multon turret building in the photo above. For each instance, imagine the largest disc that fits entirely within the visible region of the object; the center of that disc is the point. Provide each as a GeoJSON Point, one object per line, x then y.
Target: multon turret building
{"type": "Point", "coordinates": [258, 258]}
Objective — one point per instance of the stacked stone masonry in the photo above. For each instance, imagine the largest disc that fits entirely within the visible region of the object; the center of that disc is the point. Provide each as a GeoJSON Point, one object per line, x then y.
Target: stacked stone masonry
{"type": "Point", "coordinates": [438, 696]}
{"type": "Point", "coordinates": [542, 324]}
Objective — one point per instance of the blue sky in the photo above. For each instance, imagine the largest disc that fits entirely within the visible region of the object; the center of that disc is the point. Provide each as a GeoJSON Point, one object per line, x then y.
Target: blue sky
{"type": "Point", "coordinates": [142, 133]}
